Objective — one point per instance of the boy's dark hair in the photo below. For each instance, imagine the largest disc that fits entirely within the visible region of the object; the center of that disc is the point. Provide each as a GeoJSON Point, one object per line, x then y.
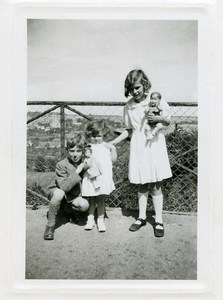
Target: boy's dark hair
{"type": "Point", "coordinates": [93, 127]}
{"type": "Point", "coordinates": [134, 76]}
{"type": "Point", "coordinates": [156, 94]}
{"type": "Point", "coordinates": [76, 140]}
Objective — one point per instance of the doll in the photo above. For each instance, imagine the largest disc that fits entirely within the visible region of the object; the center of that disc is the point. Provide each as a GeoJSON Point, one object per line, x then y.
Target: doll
{"type": "Point", "coordinates": [95, 168]}
{"type": "Point", "coordinates": [154, 109]}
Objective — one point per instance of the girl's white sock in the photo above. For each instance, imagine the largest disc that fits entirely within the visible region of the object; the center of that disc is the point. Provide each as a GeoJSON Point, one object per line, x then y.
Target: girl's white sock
{"type": "Point", "coordinates": [143, 197]}
{"type": "Point", "coordinates": [158, 207]}
{"type": "Point", "coordinates": [90, 217]}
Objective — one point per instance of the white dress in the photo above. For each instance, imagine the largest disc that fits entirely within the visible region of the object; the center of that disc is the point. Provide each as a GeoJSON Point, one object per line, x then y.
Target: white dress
{"type": "Point", "coordinates": [104, 181]}
{"type": "Point", "coordinates": [148, 160]}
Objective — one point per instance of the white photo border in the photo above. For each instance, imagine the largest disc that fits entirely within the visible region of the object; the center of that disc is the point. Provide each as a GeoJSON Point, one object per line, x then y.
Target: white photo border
{"type": "Point", "coordinates": [14, 283]}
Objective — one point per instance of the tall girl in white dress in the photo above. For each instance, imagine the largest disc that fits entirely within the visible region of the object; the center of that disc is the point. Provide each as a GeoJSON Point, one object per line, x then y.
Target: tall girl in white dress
{"type": "Point", "coordinates": [148, 162]}
{"type": "Point", "coordinates": [104, 154]}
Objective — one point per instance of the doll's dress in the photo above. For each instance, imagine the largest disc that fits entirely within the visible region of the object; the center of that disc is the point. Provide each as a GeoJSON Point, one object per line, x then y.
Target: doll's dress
{"type": "Point", "coordinates": [102, 156]}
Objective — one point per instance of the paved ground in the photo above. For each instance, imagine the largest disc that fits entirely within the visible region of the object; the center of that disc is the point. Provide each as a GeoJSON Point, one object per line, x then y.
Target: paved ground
{"type": "Point", "coordinates": [115, 254]}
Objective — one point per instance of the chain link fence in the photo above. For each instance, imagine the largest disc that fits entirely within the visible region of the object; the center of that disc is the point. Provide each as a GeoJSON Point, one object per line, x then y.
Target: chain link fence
{"type": "Point", "coordinates": [49, 123]}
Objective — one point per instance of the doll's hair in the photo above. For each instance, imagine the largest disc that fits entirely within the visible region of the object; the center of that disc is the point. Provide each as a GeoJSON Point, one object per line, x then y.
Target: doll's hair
{"type": "Point", "coordinates": [88, 148]}
{"type": "Point", "coordinates": [93, 127]}
{"type": "Point", "coordinates": [134, 76]}
{"type": "Point", "coordinates": [156, 94]}
{"type": "Point", "coordinates": [76, 139]}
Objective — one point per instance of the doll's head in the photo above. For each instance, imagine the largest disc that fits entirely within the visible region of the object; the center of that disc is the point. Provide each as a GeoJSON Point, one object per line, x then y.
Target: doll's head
{"type": "Point", "coordinates": [136, 76]}
{"type": "Point", "coordinates": [155, 99]}
{"type": "Point", "coordinates": [88, 151]}
{"type": "Point", "coordinates": [97, 131]}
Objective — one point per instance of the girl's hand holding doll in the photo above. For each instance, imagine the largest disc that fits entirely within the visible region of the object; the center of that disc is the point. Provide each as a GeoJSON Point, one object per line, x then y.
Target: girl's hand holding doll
{"type": "Point", "coordinates": [154, 119]}
{"type": "Point", "coordinates": [82, 167]}
{"type": "Point", "coordinates": [157, 119]}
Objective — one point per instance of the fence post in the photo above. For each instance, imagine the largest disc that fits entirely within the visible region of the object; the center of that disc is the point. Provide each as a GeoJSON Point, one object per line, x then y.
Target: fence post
{"type": "Point", "coordinates": [62, 131]}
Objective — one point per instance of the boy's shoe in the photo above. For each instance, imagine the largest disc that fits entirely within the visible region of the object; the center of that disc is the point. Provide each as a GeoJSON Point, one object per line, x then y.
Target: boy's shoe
{"type": "Point", "coordinates": [90, 224]}
{"type": "Point", "coordinates": [49, 233]}
{"type": "Point", "coordinates": [101, 225]}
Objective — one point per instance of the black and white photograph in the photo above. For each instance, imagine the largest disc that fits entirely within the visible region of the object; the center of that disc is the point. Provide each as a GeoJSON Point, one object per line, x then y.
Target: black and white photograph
{"type": "Point", "coordinates": [112, 149]}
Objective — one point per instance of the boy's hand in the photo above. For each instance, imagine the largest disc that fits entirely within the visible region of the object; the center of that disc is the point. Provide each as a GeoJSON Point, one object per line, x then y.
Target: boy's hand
{"type": "Point", "coordinates": [82, 167]}
{"type": "Point", "coordinates": [86, 164]}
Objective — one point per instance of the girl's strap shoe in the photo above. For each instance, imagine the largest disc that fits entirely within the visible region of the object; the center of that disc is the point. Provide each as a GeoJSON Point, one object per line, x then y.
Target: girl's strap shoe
{"type": "Point", "coordinates": [158, 232]}
{"type": "Point", "coordinates": [136, 227]}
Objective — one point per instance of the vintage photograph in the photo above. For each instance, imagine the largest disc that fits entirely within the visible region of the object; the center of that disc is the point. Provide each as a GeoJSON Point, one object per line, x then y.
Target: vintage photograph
{"type": "Point", "coordinates": [112, 149]}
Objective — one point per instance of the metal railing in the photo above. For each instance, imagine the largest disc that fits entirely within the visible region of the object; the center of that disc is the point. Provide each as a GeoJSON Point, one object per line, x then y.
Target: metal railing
{"type": "Point", "coordinates": [50, 122]}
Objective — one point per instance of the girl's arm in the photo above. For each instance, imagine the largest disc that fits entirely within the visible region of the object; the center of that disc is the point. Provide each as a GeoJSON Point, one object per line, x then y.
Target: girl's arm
{"type": "Point", "coordinates": [158, 119]}
{"type": "Point", "coordinates": [124, 135]}
{"type": "Point", "coordinates": [113, 152]}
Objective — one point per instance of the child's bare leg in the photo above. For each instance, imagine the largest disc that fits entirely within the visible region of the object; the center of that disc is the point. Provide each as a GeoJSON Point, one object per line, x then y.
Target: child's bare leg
{"type": "Point", "coordinates": [101, 212]}
{"type": "Point", "coordinates": [100, 200]}
{"type": "Point", "coordinates": [90, 221]}
{"type": "Point", "coordinates": [149, 134]}
{"type": "Point", "coordinates": [54, 206]}
{"type": "Point", "coordinates": [156, 128]}
{"type": "Point", "coordinates": [92, 206]}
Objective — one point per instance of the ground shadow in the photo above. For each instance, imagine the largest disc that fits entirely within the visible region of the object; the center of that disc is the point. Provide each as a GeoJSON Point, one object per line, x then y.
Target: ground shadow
{"type": "Point", "coordinates": [67, 215]}
{"type": "Point", "coordinates": [134, 213]}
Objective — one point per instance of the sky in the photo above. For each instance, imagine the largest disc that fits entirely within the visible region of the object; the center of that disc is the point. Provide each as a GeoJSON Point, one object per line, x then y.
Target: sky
{"type": "Point", "coordinates": [88, 60]}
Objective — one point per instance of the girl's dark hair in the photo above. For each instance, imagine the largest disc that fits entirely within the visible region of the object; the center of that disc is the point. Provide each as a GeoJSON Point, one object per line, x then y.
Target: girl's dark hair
{"type": "Point", "coordinates": [76, 140]}
{"type": "Point", "coordinates": [93, 127]}
{"type": "Point", "coordinates": [134, 76]}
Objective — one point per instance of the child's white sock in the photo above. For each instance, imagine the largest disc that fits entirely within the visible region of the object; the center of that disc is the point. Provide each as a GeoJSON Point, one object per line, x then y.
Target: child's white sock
{"type": "Point", "coordinates": [143, 197]}
{"type": "Point", "coordinates": [101, 225]}
{"type": "Point", "coordinates": [90, 222]}
{"type": "Point", "coordinates": [158, 207]}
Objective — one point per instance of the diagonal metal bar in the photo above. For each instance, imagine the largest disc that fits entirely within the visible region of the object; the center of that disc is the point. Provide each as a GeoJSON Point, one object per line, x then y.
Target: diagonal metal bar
{"type": "Point", "coordinates": [38, 195]}
{"type": "Point", "coordinates": [186, 152]}
{"type": "Point", "coordinates": [77, 112]}
{"type": "Point", "coordinates": [43, 114]}
{"type": "Point", "coordinates": [185, 168]}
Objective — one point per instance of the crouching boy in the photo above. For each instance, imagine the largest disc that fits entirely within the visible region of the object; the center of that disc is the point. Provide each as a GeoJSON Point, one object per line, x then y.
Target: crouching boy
{"type": "Point", "coordinates": [67, 184]}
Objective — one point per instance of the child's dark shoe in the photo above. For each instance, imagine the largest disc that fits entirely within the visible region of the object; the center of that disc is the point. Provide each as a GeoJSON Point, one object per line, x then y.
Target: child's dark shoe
{"type": "Point", "coordinates": [49, 233]}
{"type": "Point", "coordinates": [158, 229]}
{"type": "Point", "coordinates": [135, 226]}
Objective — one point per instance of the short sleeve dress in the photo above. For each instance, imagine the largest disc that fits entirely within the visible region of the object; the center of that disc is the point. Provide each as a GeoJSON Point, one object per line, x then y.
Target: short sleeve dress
{"type": "Point", "coordinates": [148, 161]}
{"type": "Point", "coordinates": [105, 181]}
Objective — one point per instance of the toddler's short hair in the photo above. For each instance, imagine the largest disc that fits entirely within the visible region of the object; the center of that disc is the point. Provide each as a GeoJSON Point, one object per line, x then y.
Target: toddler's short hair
{"type": "Point", "coordinates": [76, 139]}
{"type": "Point", "coordinates": [93, 127]}
{"type": "Point", "coordinates": [156, 94]}
{"type": "Point", "coordinates": [134, 76]}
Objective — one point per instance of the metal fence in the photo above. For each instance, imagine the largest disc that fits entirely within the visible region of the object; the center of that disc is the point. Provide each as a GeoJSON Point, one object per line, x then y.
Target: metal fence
{"type": "Point", "coordinates": [49, 123]}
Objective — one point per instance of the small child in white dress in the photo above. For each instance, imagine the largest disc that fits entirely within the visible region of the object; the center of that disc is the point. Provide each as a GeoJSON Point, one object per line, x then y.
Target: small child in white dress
{"type": "Point", "coordinates": [154, 109]}
{"type": "Point", "coordinates": [104, 154]}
